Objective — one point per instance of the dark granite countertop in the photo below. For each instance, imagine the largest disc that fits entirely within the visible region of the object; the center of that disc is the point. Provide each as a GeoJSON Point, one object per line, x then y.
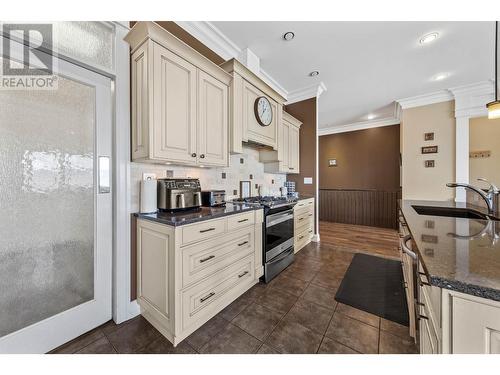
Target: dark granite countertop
{"type": "Point", "coordinates": [193, 216]}
{"type": "Point", "coordinates": [458, 254]}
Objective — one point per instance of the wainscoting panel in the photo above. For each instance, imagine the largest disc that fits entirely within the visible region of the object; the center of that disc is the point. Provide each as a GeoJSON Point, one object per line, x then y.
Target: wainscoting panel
{"type": "Point", "coordinates": [362, 207]}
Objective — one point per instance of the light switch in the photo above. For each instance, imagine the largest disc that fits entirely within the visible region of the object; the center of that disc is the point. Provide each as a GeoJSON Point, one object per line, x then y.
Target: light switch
{"type": "Point", "coordinates": [308, 180]}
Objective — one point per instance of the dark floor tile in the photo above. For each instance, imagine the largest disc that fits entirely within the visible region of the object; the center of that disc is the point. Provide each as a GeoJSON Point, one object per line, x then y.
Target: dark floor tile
{"type": "Point", "coordinates": [79, 343]}
{"type": "Point", "coordinates": [308, 263]}
{"type": "Point", "coordinates": [329, 346]}
{"type": "Point", "coordinates": [203, 334]}
{"type": "Point", "coordinates": [162, 346]}
{"type": "Point", "coordinates": [310, 315]}
{"type": "Point", "coordinates": [301, 273]}
{"type": "Point", "coordinates": [392, 344]}
{"type": "Point", "coordinates": [258, 320]}
{"type": "Point", "coordinates": [290, 285]}
{"type": "Point", "coordinates": [101, 346]}
{"type": "Point", "coordinates": [256, 291]}
{"type": "Point", "coordinates": [231, 340]}
{"type": "Point", "coordinates": [111, 326]}
{"type": "Point", "coordinates": [266, 349]}
{"type": "Point", "coordinates": [357, 314]}
{"type": "Point", "coordinates": [133, 335]}
{"type": "Point", "coordinates": [277, 300]}
{"type": "Point", "coordinates": [394, 328]}
{"type": "Point", "coordinates": [327, 280]}
{"type": "Point", "coordinates": [236, 307]}
{"type": "Point", "coordinates": [291, 337]}
{"type": "Point", "coordinates": [354, 334]}
{"type": "Point", "coordinates": [320, 295]}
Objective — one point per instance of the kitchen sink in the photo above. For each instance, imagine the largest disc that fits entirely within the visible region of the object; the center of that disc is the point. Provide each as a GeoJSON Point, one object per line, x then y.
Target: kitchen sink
{"type": "Point", "coordinates": [466, 213]}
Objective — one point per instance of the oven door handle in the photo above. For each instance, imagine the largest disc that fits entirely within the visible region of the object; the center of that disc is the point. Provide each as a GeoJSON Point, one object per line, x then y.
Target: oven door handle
{"type": "Point", "coordinates": [279, 219]}
{"type": "Point", "coordinates": [282, 256]}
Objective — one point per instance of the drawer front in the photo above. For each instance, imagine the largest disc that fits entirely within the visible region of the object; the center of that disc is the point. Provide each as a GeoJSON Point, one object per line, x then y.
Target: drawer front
{"type": "Point", "coordinates": [204, 259]}
{"type": "Point", "coordinates": [432, 296]}
{"type": "Point", "coordinates": [304, 205]}
{"type": "Point", "coordinates": [235, 222]}
{"type": "Point", "coordinates": [428, 330]}
{"type": "Point", "coordinates": [302, 238]}
{"type": "Point", "coordinates": [203, 300]}
{"type": "Point", "coordinates": [303, 217]}
{"type": "Point", "coordinates": [202, 231]}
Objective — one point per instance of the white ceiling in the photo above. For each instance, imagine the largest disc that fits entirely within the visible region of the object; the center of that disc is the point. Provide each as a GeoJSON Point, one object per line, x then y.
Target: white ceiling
{"type": "Point", "coordinates": [367, 65]}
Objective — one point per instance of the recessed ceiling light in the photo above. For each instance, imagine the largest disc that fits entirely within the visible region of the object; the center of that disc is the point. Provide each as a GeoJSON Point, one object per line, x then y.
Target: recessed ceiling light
{"type": "Point", "coordinates": [314, 73]}
{"type": "Point", "coordinates": [371, 116]}
{"type": "Point", "coordinates": [289, 35]}
{"type": "Point", "coordinates": [428, 38]}
{"type": "Point", "coordinates": [440, 76]}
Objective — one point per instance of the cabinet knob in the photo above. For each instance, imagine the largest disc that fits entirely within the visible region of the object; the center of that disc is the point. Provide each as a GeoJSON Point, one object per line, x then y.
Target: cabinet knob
{"type": "Point", "coordinates": [193, 154]}
{"type": "Point", "coordinates": [202, 156]}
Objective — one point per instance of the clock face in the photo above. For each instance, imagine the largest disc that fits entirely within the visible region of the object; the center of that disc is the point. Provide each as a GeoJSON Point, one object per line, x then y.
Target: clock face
{"type": "Point", "coordinates": [263, 111]}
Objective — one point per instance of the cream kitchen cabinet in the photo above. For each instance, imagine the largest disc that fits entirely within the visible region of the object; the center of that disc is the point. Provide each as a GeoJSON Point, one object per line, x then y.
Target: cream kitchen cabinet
{"type": "Point", "coordinates": [245, 88]}
{"type": "Point", "coordinates": [303, 226]}
{"type": "Point", "coordinates": [187, 274]}
{"type": "Point", "coordinates": [287, 158]}
{"type": "Point", "coordinates": [180, 101]}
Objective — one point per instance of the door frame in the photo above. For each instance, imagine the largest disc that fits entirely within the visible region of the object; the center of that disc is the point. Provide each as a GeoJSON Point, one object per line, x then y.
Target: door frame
{"type": "Point", "coordinates": [48, 334]}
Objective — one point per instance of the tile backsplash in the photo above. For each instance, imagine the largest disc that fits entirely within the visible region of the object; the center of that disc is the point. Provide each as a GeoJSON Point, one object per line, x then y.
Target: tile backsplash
{"type": "Point", "coordinates": [242, 167]}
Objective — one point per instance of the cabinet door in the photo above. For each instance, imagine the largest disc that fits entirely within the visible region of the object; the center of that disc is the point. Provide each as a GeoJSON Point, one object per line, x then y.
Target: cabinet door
{"type": "Point", "coordinates": [475, 327]}
{"type": "Point", "coordinates": [174, 96]}
{"type": "Point", "coordinates": [140, 102]}
{"type": "Point", "coordinates": [293, 150]}
{"type": "Point", "coordinates": [212, 120]}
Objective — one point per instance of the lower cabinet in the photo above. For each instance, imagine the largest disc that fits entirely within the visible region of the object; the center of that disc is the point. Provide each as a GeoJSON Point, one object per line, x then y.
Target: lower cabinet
{"type": "Point", "coordinates": [303, 213]}
{"type": "Point", "coordinates": [186, 274]}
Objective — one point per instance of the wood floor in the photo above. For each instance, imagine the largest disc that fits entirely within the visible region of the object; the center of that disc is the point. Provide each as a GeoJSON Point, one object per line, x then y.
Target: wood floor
{"type": "Point", "coordinates": [359, 238]}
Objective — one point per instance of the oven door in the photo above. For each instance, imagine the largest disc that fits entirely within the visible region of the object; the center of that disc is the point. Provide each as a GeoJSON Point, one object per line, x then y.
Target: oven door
{"type": "Point", "coordinates": [279, 233]}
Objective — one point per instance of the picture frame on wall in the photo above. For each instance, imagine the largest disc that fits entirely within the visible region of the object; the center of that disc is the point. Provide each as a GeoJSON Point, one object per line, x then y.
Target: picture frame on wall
{"type": "Point", "coordinates": [428, 136]}
{"type": "Point", "coordinates": [430, 150]}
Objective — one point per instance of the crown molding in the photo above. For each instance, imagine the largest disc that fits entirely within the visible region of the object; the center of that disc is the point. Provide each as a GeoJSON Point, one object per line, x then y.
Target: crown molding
{"type": "Point", "coordinates": [471, 100]}
{"type": "Point", "coordinates": [425, 99]}
{"type": "Point", "coordinates": [308, 92]}
{"type": "Point", "coordinates": [362, 125]}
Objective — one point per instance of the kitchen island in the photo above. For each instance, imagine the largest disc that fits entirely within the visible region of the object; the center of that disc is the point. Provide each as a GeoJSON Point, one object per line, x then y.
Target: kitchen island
{"type": "Point", "coordinates": [457, 251]}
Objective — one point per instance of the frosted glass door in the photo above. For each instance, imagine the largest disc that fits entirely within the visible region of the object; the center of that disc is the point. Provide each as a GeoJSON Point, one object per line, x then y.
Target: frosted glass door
{"type": "Point", "coordinates": [55, 232]}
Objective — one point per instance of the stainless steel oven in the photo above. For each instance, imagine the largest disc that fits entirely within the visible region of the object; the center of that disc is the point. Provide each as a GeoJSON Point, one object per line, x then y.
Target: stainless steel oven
{"type": "Point", "coordinates": [278, 241]}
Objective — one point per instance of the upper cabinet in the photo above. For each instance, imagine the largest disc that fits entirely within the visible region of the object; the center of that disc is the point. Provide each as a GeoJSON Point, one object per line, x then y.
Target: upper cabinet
{"type": "Point", "coordinates": [180, 101]}
{"type": "Point", "coordinates": [287, 158]}
{"type": "Point", "coordinates": [250, 122]}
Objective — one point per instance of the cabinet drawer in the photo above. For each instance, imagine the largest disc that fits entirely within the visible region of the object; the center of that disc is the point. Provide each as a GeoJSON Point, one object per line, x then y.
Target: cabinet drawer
{"type": "Point", "coordinates": [304, 204]}
{"type": "Point", "coordinates": [302, 238]}
{"type": "Point", "coordinates": [428, 330]}
{"type": "Point", "coordinates": [303, 219]}
{"type": "Point", "coordinates": [206, 298]}
{"type": "Point", "coordinates": [239, 221]}
{"type": "Point", "coordinates": [204, 259]}
{"type": "Point", "coordinates": [207, 229]}
{"type": "Point", "coordinates": [432, 296]}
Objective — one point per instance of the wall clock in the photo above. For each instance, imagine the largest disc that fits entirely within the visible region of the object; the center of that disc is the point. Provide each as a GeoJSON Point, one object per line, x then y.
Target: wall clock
{"type": "Point", "coordinates": [263, 111]}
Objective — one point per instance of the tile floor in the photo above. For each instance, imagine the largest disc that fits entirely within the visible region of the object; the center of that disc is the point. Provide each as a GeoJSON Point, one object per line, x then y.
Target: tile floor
{"type": "Point", "coordinates": [295, 313]}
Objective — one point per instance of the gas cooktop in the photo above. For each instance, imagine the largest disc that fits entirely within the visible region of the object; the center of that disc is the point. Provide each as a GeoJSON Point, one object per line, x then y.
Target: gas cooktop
{"type": "Point", "coordinates": [267, 201]}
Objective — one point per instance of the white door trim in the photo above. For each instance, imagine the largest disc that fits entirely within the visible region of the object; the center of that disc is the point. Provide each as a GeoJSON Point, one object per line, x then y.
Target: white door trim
{"type": "Point", "coordinates": [52, 332]}
{"type": "Point", "coordinates": [123, 308]}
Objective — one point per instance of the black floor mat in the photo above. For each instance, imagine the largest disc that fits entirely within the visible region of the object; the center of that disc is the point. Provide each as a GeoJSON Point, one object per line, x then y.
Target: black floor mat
{"type": "Point", "coordinates": [375, 285]}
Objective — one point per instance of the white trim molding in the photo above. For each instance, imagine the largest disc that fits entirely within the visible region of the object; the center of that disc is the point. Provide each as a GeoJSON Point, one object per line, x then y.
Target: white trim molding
{"type": "Point", "coordinates": [395, 119]}
{"type": "Point", "coordinates": [425, 99]}
{"type": "Point", "coordinates": [313, 91]}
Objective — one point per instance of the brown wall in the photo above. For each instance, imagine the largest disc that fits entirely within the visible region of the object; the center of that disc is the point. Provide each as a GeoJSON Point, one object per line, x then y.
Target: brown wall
{"type": "Point", "coordinates": [364, 187]}
{"type": "Point", "coordinates": [305, 111]}
{"type": "Point", "coordinates": [366, 159]}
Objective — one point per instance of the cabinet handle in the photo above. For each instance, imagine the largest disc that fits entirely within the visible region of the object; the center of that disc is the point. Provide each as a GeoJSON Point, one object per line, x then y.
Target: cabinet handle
{"type": "Point", "coordinates": [301, 218]}
{"type": "Point", "coordinates": [422, 317]}
{"type": "Point", "coordinates": [207, 258]}
{"type": "Point", "coordinates": [206, 230]}
{"type": "Point", "coordinates": [243, 274]}
{"type": "Point", "coordinates": [242, 220]}
{"type": "Point", "coordinates": [301, 237]}
{"type": "Point", "coordinates": [310, 215]}
{"type": "Point", "coordinates": [207, 297]}
{"type": "Point", "coordinates": [419, 303]}
{"type": "Point", "coordinates": [193, 154]}
{"type": "Point", "coordinates": [202, 156]}
{"type": "Point", "coordinates": [405, 285]}
{"type": "Point", "coordinates": [310, 231]}
{"type": "Point", "coordinates": [243, 243]}
{"type": "Point", "coordinates": [291, 168]}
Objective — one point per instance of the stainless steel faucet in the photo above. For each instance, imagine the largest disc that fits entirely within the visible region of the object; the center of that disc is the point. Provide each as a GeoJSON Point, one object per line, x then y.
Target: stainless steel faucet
{"type": "Point", "coordinates": [491, 198]}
